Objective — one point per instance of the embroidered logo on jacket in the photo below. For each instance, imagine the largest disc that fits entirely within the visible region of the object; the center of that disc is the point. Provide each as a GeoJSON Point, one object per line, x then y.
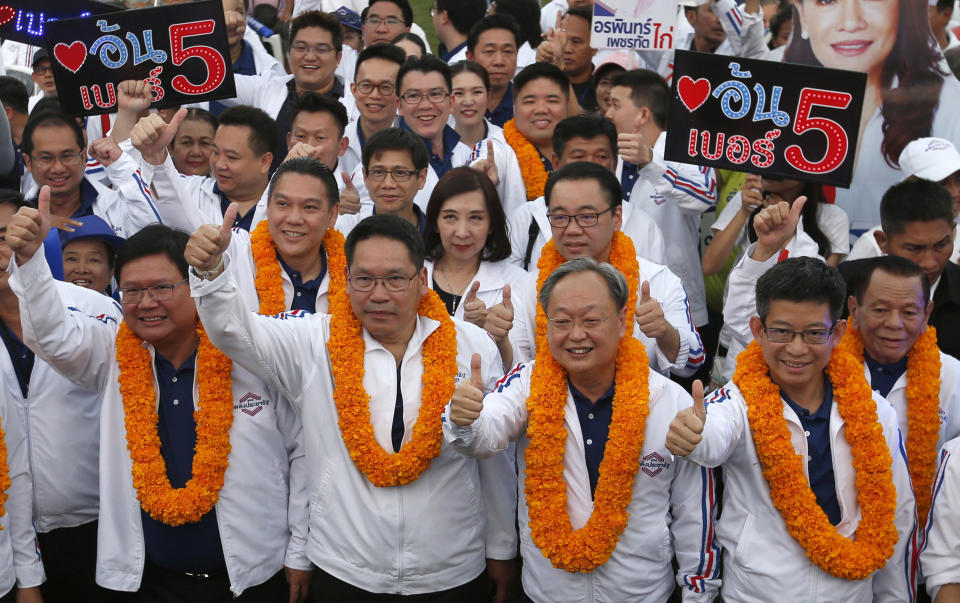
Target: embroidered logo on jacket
{"type": "Point", "coordinates": [653, 464]}
{"type": "Point", "coordinates": [250, 403]}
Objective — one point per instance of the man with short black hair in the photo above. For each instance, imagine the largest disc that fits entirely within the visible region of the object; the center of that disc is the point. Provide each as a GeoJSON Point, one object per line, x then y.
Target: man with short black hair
{"type": "Point", "coordinates": [374, 89]}
{"type": "Point", "coordinates": [14, 97]}
{"type": "Point", "coordinates": [452, 20]}
{"type": "Point", "coordinates": [43, 77]}
{"type": "Point", "coordinates": [493, 44]}
{"type": "Point", "coordinates": [384, 20]}
{"type": "Point", "coordinates": [940, 13]}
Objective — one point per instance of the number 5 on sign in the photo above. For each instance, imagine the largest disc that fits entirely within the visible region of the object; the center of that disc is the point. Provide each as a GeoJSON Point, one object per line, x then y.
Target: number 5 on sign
{"type": "Point", "coordinates": [212, 59]}
{"type": "Point", "coordinates": [837, 144]}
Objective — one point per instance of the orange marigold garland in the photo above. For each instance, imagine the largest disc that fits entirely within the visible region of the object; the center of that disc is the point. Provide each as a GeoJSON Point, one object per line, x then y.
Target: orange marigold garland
{"type": "Point", "coordinates": [214, 417]}
{"type": "Point", "coordinates": [269, 279]}
{"type": "Point", "coordinates": [346, 347]}
{"type": "Point", "coordinates": [923, 411]}
{"type": "Point", "coordinates": [4, 474]}
{"type": "Point", "coordinates": [531, 167]}
{"type": "Point", "coordinates": [584, 549]}
{"type": "Point", "coordinates": [790, 492]}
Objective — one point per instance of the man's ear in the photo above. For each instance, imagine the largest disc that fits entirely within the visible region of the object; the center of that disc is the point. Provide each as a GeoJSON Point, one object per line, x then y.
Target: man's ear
{"type": "Point", "coordinates": [881, 238]}
{"type": "Point", "coordinates": [852, 307]}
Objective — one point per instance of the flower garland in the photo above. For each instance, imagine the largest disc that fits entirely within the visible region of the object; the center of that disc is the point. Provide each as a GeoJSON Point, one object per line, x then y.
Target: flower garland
{"type": "Point", "coordinates": [790, 491]}
{"type": "Point", "coordinates": [4, 474]}
{"type": "Point", "coordinates": [923, 410]}
{"type": "Point", "coordinates": [585, 549]}
{"type": "Point", "coordinates": [269, 279]}
{"type": "Point", "coordinates": [531, 167]}
{"type": "Point", "coordinates": [214, 417]}
{"type": "Point", "coordinates": [346, 348]}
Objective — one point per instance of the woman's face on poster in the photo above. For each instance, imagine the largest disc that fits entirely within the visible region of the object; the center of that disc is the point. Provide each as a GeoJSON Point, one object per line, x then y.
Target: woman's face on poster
{"type": "Point", "coordinates": [851, 34]}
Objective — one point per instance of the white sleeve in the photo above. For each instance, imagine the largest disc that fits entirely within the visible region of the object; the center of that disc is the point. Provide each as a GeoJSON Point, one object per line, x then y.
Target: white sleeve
{"type": "Point", "coordinates": [502, 420]}
{"type": "Point", "coordinates": [745, 31]}
{"type": "Point", "coordinates": [19, 506]}
{"type": "Point", "coordinates": [518, 227]}
{"type": "Point", "coordinates": [298, 504]}
{"type": "Point", "coordinates": [741, 300]}
{"type": "Point", "coordinates": [730, 210]}
{"type": "Point", "coordinates": [179, 198]}
{"type": "Point", "coordinates": [523, 333]}
{"type": "Point", "coordinates": [693, 512]}
{"type": "Point", "coordinates": [692, 188]}
{"type": "Point", "coordinates": [723, 428]}
{"type": "Point", "coordinates": [666, 287]}
{"type": "Point", "coordinates": [125, 177]}
{"type": "Point", "coordinates": [864, 247]}
{"type": "Point", "coordinates": [513, 192]}
{"type": "Point", "coordinates": [835, 224]}
{"type": "Point", "coordinates": [78, 346]}
{"type": "Point", "coordinates": [940, 555]}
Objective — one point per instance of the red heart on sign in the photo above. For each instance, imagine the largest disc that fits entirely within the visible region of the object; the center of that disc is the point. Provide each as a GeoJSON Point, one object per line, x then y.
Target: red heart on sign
{"type": "Point", "coordinates": [72, 56]}
{"type": "Point", "coordinates": [6, 13]}
{"type": "Point", "coordinates": [693, 93]}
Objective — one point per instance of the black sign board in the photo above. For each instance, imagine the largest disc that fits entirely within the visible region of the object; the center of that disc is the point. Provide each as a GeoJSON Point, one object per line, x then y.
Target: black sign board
{"type": "Point", "coordinates": [27, 20]}
{"type": "Point", "coordinates": [764, 117]}
{"type": "Point", "coordinates": [180, 50]}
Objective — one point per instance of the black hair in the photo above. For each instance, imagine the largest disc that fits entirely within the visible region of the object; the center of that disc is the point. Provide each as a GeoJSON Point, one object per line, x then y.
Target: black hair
{"type": "Point", "coordinates": [14, 94]}
{"type": "Point", "coordinates": [583, 126]}
{"type": "Point", "coordinates": [943, 5]}
{"type": "Point", "coordinates": [395, 139]}
{"type": "Point", "coordinates": [781, 18]}
{"type": "Point", "coordinates": [387, 52]}
{"type": "Point", "coordinates": [49, 119]}
{"type": "Point", "coordinates": [404, 6]}
{"type": "Point", "coordinates": [470, 67]}
{"type": "Point", "coordinates": [8, 196]}
{"type": "Point", "coordinates": [604, 69]}
{"type": "Point", "coordinates": [914, 200]}
{"type": "Point", "coordinates": [412, 37]}
{"type": "Point", "coordinates": [808, 217]}
{"type": "Point", "coordinates": [535, 71]}
{"type": "Point", "coordinates": [586, 170]}
{"type": "Point", "coordinates": [461, 180]}
{"type": "Point", "coordinates": [527, 15]}
{"type": "Point", "coordinates": [425, 64]}
{"type": "Point", "coordinates": [494, 21]}
{"type": "Point", "coordinates": [197, 114]}
{"type": "Point", "coordinates": [801, 279]}
{"type": "Point", "coordinates": [953, 59]}
{"type": "Point", "coordinates": [462, 13]}
{"type": "Point", "coordinates": [263, 129]}
{"type": "Point", "coordinates": [307, 166]}
{"type": "Point", "coordinates": [47, 104]}
{"type": "Point", "coordinates": [313, 102]}
{"type": "Point", "coordinates": [858, 273]}
{"type": "Point", "coordinates": [581, 11]}
{"type": "Point", "coordinates": [390, 227]}
{"type": "Point", "coordinates": [325, 21]}
{"type": "Point", "coordinates": [647, 89]}
{"type": "Point", "coordinates": [155, 239]}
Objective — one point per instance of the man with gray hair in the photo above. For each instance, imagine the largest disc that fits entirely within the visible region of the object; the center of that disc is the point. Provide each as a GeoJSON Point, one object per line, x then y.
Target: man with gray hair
{"type": "Point", "coordinates": [590, 420]}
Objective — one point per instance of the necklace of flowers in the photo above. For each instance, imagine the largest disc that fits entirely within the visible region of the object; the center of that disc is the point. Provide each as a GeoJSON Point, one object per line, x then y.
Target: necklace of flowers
{"type": "Point", "coordinates": [531, 167]}
{"type": "Point", "coordinates": [790, 492]}
{"type": "Point", "coordinates": [346, 347]}
{"type": "Point", "coordinates": [4, 474]}
{"type": "Point", "coordinates": [269, 279]}
{"type": "Point", "coordinates": [214, 417]}
{"type": "Point", "coordinates": [923, 410]}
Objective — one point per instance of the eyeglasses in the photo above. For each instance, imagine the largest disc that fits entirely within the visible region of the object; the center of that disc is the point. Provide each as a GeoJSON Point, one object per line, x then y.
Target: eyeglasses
{"type": "Point", "coordinates": [391, 21]}
{"type": "Point", "coordinates": [392, 282]}
{"type": "Point", "coordinates": [42, 70]}
{"type": "Point", "coordinates": [399, 175]}
{"type": "Point", "coordinates": [385, 88]}
{"type": "Point", "coordinates": [585, 220]}
{"type": "Point", "coordinates": [319, 49]}
{"type": "Point", "coordinates": [413, 97]}
{"type": "Point", "coordinates": [45, 160]}
{"type": "Point", "coordinates": [564, 325]}
{"type": "Point", "coordinates": [813, 336]}
{"type": "Point", "coordinates": [134, 295]}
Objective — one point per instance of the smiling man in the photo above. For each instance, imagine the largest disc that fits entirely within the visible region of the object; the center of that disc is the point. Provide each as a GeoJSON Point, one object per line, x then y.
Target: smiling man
{"type": "Point", "coordinates": [374, 88]}
{"type": "Point", "coordinates": [385, 20]}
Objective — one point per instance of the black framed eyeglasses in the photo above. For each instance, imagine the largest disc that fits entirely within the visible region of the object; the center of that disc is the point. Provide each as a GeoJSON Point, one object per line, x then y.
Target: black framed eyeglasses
{"type": "Point", "coordinates": [584, 220]}
{"type": "Point", "coordinates": [392, 282]}
{"type": "Point", "coordinates": [811, 336]}
{"type": "Point", "coordinates": [134, 295]}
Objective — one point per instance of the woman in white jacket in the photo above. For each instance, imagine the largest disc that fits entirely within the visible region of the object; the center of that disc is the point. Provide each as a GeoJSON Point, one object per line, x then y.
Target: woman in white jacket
{"type": "Point", "coordinates": [467, 248]}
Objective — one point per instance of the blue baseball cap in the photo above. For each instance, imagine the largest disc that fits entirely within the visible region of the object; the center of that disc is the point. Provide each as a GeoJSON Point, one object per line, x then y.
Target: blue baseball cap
{"type": "Point", "coordinates": [93, 228]}
{"type": "Point", "coordinates": [348, 18]}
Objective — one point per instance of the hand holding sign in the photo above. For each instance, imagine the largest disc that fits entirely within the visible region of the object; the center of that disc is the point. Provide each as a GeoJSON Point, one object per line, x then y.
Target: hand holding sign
{"type": "Point", "coordinates": [467, 401]}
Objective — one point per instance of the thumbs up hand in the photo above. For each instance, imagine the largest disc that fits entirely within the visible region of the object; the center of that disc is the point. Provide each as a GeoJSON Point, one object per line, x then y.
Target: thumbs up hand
{"type": "Point", "coordinates": [649, 314]}
{"type": "Point", "coordinates": [467, 401]}
{"type": "Point", "coordinates": [29, 227]}
{"type": "Point", "coordinates": [488, 165]}
{"type": "Point", "coordinates": [775, 226]}
{"type": "Point", "coordinates": [500, 317]}
{"type": "Point", "coordinates": [474, 310]}
{"type": "Point", "coordinates": [687, 427]}
{"type": "Point", "coordinates": [350, 197]}
{"type": "Point", "coordinates": [206, 246]}
{"type": "Point", "coordinates": [633, 148]}
{"type": "Point", "coordinates": [151, 136]}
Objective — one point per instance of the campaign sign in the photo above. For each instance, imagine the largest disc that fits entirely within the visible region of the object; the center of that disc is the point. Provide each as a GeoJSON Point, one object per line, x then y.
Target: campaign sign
{"type": "Point", "coordinates": [633, 24]}
{"type": "Point", "coordinates": [781, 119]}
{"type": "Point", "coordinates": [26, 20]}
{"type": "Point", "coordinates": [180, 50]}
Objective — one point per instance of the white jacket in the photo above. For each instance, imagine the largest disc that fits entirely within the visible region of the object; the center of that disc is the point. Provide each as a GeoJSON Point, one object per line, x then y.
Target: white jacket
{"type": "Point", "coordinates": [65, 495]}
{"type": "Point", "coordinates": [665, 287]}
{"type": "Point", "coordinates": [492, 277]}
{"type": "Point", "coordinates": [636, 224]}
{"type": "Point", "coordinates": [676, 195]}
{"type": "Point", "coordinates": [386, 540]}
{"type": "Point", "coordinates": [20, 562]}
{"type": "Point", "coordinates": [669, 513]}
{"type": "Point", "coordinates": [262, 507]}
{"type": "Point", "coordinates": [760, 557]}
{"type": "Point", "coordinates": [940, 553]}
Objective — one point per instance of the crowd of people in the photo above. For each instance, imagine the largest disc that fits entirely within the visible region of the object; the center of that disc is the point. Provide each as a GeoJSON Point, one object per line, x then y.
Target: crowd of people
{"type": "Point", "coordinates": [398, 323]}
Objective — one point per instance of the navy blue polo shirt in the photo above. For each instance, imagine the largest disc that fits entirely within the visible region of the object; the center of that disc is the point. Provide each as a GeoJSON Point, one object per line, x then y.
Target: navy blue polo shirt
{"type": "Point", "coordinates": [192, 547]}
{"type": "Point", "coordinates": [816, 427]}
{"type": "Point", "coordinates": [628, 177]}
{"type": "Point", "coordinates": [595, 426]}
{"type": "Point", "coordinates": [441, 162]}
{"type": "Point", "coordinates": [504, 111]}
{"type": "Point", "coordinates": [243, 222]}
{"type": "Point", "coordinates": [305, 293]}
{"type": "Point", "coordinates": [396, 427]}
{"type": "Point", "coordinates": [245, 65]}
{"type": "Point", "coordinates": [884, 376]}
{"type": "Point", "coordinates": [20, 357]}
{"type": "Point", "coordinates": [449, 55]}
{"type": "Point", "coordinates": [88, 196]}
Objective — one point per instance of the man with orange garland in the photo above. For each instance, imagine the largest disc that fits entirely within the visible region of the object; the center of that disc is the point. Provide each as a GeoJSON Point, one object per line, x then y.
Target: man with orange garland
{"type": "Point", "coordinates": [195, 506]}
{"type": "Point", "coordinates": [839, 526]}
{"type": "Point", "coordinates": [393, 510]}
{"type": "Point", "coordinates": [590, 387]}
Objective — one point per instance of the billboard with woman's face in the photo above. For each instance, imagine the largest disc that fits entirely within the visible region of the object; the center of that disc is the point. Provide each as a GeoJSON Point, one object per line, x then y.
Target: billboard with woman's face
{"type": "Point", "coordinates": [910, 91]}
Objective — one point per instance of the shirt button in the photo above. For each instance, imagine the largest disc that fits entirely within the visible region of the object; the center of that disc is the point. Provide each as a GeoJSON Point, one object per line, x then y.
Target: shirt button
{"type": "Point", "coordinates": [176, 402]}
{"type": "Point", "coordinates": [174, 379]}
{"type": "Point", "coordinates": [298, 294]}
{"type": "Point", "coordinates": [806, 433]}
{"type": "Point", "coordinates": [809, 458]}
{"type": "Point", "coordinates": [590, 416]}
{"type": "Point", "coordinates": [589, 442]}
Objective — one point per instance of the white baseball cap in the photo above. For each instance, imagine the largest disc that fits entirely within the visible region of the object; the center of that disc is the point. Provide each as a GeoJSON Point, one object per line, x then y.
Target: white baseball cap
{"type": "Point", "coordinates": [931, 159]}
